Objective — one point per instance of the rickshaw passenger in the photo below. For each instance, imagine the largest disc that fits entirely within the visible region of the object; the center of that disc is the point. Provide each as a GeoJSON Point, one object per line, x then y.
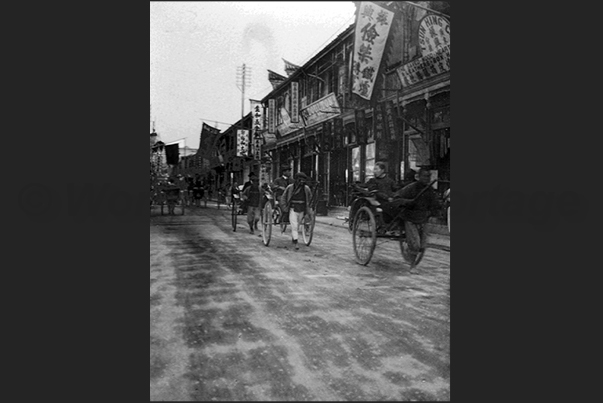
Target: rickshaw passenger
{"type": "Point", "coordinates": [385, 186]}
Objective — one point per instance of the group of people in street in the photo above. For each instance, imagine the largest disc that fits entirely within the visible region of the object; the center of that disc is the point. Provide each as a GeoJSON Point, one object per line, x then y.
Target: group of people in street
{"type": "Point", "coordinates": [179, 189]}
{"type": "Point", "coordinates": [293, 196]}
{"type": "Point", "coordinates": [411, 199]}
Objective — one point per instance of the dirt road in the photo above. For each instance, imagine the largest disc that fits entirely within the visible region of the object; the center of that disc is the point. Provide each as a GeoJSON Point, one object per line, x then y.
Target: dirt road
{"type": "Point", "coordinates": [231, 319]}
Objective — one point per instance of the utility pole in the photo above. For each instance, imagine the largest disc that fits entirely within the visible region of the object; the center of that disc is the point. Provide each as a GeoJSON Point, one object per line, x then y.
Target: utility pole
{"type": "Point", "coordinates": [243, 80]}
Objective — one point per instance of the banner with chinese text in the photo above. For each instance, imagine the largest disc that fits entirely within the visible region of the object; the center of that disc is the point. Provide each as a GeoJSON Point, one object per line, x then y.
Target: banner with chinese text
{"type": "Point", "coordinates": [242, 143]}
{"type": "Point", "coordinates": [372, 29]}
{"type": "Point", "coordinates": [257, 115]}
{"type": "Point", "coordinates": [272, 116]}
{"type": "Point", "coordinates": [294, 102]}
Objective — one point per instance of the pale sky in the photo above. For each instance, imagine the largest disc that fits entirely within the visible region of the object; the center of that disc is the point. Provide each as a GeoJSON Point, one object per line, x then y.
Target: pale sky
{"type": "Point", "coordinates": [197, 46]}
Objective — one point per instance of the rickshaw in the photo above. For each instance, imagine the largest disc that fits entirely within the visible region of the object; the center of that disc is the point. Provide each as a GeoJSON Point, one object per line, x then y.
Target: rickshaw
{"type": "Point", "coordinates": [272, 214]}
{"type": "Point", "coordinates": [171, 195]}
{"type": "Point", "coordinates": [366, 223]}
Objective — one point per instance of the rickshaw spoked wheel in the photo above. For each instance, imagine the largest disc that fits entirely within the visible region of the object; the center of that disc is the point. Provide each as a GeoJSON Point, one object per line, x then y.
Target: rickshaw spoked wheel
{"type": "Point", "coordinates": [364, 235]}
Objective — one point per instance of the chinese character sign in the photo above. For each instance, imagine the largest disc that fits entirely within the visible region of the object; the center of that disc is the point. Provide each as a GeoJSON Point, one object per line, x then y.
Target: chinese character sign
{"type": "Point", "coordinates": [271, 116]}
{"type": "Point", "coordinates": [434, 34]}
{"type": "Point", "coordinates": [257, 114]}
{"type": "Point", "coordinates": [391, 118]}
{"type": "Point", "coordinates": [434, 40]}
{"type": "Point", "coordinates": [295, 102]}
{"type": "Point", "coordinates": [242, 143]}
{"type": "Point", "coordinates": [372, 29]}
{"type": "Point", "coordinates": [425, 67]}
{"type": "Point", "coordinates": [257, 147]}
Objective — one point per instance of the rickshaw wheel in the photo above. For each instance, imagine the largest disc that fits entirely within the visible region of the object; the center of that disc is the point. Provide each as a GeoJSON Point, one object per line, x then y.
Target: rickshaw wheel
{"type": "Point", "coordinates": [355, 206]}
{"type": "Point", "coordinates": [234, 214]}
{"type": "Point", "coordinates": [266, 218]}
{"type": "Point", "coordinates": [277, 215]}
{"type": "Point", "coordinates": [308, 229]}
{"type": "Point", "coordinates": [411, 258]}
{"type": "Point", "coordinates": [364, 235]}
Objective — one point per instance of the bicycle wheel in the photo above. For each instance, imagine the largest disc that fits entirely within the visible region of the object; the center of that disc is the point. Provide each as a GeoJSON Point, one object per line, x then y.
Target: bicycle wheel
{"type": "Point", "coordinates": [364, 235]}
{"type": "Point", "coordinates": [266, 218]}
{"type": "Point", "coordinates": [234, 214]}
{"type": "Point", "coordinates": [308, 229]}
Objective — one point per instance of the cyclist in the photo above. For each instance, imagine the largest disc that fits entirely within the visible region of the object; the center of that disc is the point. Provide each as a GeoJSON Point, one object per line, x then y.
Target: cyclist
{"type": "Point", "coordinates": [296, 201]}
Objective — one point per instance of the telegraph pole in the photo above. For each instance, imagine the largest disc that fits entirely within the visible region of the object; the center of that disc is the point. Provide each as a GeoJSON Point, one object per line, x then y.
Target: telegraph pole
{"type": "Point", "coordinates": [243, 80]}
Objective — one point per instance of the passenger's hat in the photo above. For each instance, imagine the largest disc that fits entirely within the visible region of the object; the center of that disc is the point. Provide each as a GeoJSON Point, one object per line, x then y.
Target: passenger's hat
{"type": "Point", "coordinates": [301, 175]}
{"type": "Point", "coordinates": [285, 168]}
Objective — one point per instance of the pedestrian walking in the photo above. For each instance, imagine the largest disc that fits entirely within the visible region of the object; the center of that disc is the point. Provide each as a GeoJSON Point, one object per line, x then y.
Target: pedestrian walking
{"type": "Point", "coordinates": [251, 196]}
{"type": "Point", "coordinates": [171, 191]}
{"type": "Point", "coordinates": [296, 202]}
{"type": "Point", "coordinates": [244, 203]}
{"type": "Point", "coordinates": [198, 191]}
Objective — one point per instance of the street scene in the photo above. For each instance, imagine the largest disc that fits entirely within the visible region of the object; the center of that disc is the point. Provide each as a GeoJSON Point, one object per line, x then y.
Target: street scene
{"type": "Point", "coordinates": [232, 319]}
{"type": "Point", "coordinates": [300, 201]}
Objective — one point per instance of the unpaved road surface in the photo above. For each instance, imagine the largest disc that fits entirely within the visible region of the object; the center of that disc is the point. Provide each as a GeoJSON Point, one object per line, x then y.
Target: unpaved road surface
{"type": "Point", "coordinates": [231, 319]}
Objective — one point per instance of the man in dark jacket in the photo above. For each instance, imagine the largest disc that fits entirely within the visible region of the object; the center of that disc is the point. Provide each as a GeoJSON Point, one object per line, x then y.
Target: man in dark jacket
{"type": "Point", "coordinates": [417, 210]}
{"type": "Point", "coordinates": [251, 195]}
{"type": "Point", "coordinates": [385, 186]}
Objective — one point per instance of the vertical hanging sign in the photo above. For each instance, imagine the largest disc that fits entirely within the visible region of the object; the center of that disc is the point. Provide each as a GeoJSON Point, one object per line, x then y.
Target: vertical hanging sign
{"type": "Point", "coordinates": [294, 102]}
{"type": "Point", "coordinates": [378, 122]}
{"type": "Point", "coordinates": [360, 126]}
{"type": "Point", "coordinates": [242, 143]}
{"type": "Point", "coordinates": [257, 114]}
{"type": "Point", "coordinates": [391, 118]}
{"type": "Point", "coordinates": [271, 116]}
{"type": "Point", "coordinates": [372, 29]}
{"type": "Point", "coordinates": [257, 147]}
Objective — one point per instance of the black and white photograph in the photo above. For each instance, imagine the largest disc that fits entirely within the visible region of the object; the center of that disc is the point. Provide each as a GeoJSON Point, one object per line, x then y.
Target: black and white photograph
{"type": "Point", "coordinates": [300, 201]}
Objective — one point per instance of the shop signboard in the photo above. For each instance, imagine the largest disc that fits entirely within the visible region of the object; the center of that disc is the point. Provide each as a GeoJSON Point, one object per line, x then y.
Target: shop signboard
{"type": "Point", "coordinates": [294, 102]}
{"type": "Point", "coordinates": [434, 42]}
{"type": "Point", "coordinates": [373, 24]}
{"type": "Point", "coordinates": [271, 116]}
{"type": "Point", "coordinates": [242, 143]}
{"type": "Point", "coordinates": [324, 109]}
